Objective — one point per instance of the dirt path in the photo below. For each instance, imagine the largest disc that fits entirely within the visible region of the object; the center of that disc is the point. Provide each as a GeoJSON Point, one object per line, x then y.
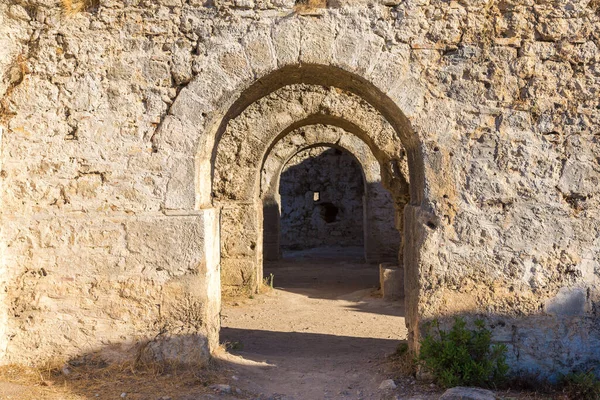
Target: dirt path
{"type": "Point", "coordinates": [322, 333]}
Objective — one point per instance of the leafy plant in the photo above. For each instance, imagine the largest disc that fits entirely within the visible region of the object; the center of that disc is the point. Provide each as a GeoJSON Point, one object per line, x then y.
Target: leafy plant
{"type": "Point", "coordinates": [463, 357]}
{"type": "Point", "coordinates": [582, 385]}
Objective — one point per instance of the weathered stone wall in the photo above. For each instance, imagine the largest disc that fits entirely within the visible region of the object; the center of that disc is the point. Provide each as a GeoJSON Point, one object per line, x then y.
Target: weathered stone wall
{"type": "Point", "coordinates": [496, 104]}
{"type": "Point", "coordinates": [335, 218]}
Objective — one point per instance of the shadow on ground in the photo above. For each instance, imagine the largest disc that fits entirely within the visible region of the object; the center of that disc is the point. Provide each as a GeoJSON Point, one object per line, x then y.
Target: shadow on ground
{"type": "Point", "coordinates": [332, 279]}
{"type": "Point", "coordinates": [259, 345]}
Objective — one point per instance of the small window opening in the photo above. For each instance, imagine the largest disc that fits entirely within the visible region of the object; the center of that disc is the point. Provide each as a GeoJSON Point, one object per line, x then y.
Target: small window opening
{"type": "Point", "coordinates": [316, 196]}
{"type": "Point", "coordinates": [328, 212]}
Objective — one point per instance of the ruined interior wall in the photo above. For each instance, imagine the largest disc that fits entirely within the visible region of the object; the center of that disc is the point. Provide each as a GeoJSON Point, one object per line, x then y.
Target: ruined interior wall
{"type": "Point", "coordinates": [338, 179]}
{"type": "Point", "coordinates": [502, 95]}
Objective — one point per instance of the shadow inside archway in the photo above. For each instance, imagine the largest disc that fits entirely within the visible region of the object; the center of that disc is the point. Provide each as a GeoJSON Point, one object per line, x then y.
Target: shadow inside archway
{"type": "Point", "coordinates": [354, 285]}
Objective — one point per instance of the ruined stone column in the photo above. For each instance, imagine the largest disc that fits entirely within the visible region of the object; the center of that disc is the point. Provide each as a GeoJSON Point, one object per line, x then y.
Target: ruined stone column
{"type": "Point", "coordinates": [271, 227]}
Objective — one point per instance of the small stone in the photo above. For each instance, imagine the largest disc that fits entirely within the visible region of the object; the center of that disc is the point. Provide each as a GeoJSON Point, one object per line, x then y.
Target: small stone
{"type": "Point", "coordinates": [18, 12]}
{"type": "Point", "coordinates": [220, 388]}
{"type": "Point", "coordinates": [387, 384]}
{"type": "Point", "coordinates": [123, 395]}
{"type": "Point", "coordinates": [468, 393]}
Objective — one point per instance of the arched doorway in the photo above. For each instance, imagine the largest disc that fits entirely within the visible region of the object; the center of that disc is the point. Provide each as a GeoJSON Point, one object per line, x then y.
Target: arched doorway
{"type": "Point", "coordinates": [381, 235]}
{"type": "Point", "coordinates": [290, 98]}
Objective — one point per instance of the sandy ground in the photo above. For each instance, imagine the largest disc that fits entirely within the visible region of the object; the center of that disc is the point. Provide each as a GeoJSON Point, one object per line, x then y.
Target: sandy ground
{"type": "Point", "coordinates": [323, 332]}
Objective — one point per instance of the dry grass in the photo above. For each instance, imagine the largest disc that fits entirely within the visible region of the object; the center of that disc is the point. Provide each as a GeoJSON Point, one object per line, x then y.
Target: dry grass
{"type": "Point", "coordinates": [402, 361]}
{"type": "Point", "coordinates": [72, 7]}
{"type": "Point", "coordinates": [309, 6]}
{"type": "Point", "coordinates": [235, 295]}
{"type": "Point", "coordinates": [85, 379]}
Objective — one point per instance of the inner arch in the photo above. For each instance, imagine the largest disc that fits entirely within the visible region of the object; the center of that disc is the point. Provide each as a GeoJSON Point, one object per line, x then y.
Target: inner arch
{"type": "Point", "coordinates": [381, 235]}
{"type": "Point", "coordinates": [327, 76]}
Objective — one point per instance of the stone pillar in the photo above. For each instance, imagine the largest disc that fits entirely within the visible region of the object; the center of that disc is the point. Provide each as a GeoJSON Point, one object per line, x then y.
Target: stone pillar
{"type": "Point", "coordinates": [413, 239]}
{"type": "Point", "coordinates": [3, 273]}
{"type": "Point", "coordinates": [399, 223]}
{"type": "Point", "coordinates": [382, 239]}
{"type": "Point", "coordinates": [186, 322]}
{"type": "Point", "coordinates": [271, 227]}
{"type": "Point", "coordinates": [241, 245]}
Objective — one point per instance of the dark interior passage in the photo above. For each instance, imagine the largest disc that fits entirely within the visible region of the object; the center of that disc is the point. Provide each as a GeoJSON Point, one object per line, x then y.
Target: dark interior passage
{"type": "Point", "coordinates": [321, 192]}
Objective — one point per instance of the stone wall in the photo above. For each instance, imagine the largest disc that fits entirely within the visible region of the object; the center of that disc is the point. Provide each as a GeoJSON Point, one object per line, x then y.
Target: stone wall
{"type": "Point", "coordinates": [335, 217]}
{"type": "Point", "coordinates": [115, 123]}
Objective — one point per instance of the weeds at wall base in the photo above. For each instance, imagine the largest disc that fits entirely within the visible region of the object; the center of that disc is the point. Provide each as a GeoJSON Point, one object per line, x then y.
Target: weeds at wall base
{"type": "Point", "coordinates": [463, 356]}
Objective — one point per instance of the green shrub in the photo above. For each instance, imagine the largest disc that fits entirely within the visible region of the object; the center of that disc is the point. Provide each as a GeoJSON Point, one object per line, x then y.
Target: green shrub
{"type": "Point", "coordinates": [463, 357]}
{"type": "Point", "coordinates": [582, 385]}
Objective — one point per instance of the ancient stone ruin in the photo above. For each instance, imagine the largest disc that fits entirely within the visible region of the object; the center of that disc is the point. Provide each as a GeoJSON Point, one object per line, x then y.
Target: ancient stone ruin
{"type": "Point", "coordinates": [145, 146]}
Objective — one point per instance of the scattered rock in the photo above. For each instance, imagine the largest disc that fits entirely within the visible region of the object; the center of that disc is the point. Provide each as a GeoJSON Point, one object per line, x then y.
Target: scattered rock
{"type": "Point", "coordinates": [123, 395]}
{"type": "Point", "coordinates": [387, 384]}
{"type": "Point", "coordinates": [221, 388]}
{"type": "Point", "coordinates": [468, 393]}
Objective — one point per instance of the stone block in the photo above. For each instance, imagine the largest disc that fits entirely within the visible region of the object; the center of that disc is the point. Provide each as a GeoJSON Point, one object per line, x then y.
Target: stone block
{"type": "Point", "coordinates": [568, 302]}
{"type": "Point", "coordinates": [181, 189]}
{"type": "Point", "coordinates": [173, 244]}
{"type": "Point", "coordinates": [260, 52]}
{"type": "Point", "coordinates": [391, 280]}
{"type": "Point", "coordinates": [286, 40]}
{"type": "Point", "coordinates": [238, 272]}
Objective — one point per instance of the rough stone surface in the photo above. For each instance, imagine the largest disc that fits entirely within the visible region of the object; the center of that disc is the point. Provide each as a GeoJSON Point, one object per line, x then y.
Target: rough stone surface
{"type": "Point", "coordinates": [388, 384]}
{"type": "Point", "coordinates": [132, 117]}
{"type": "Point", "coordinates": [335, 216]}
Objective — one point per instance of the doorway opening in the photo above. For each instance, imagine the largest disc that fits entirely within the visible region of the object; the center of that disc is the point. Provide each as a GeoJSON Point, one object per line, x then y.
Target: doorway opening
{"type": "Point", "coordinates": [322, 194]}
{"type": "Point", "coordinates": [337, 313]}
{"type": "Point", "coordinates": [289, 111]}
{"type": "Point", "coordinates": [324, 318]}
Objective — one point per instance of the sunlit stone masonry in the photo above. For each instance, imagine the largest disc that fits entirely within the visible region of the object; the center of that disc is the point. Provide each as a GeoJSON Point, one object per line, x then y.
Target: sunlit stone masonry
{"type": "Point", "coordinates": [143, 144]}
